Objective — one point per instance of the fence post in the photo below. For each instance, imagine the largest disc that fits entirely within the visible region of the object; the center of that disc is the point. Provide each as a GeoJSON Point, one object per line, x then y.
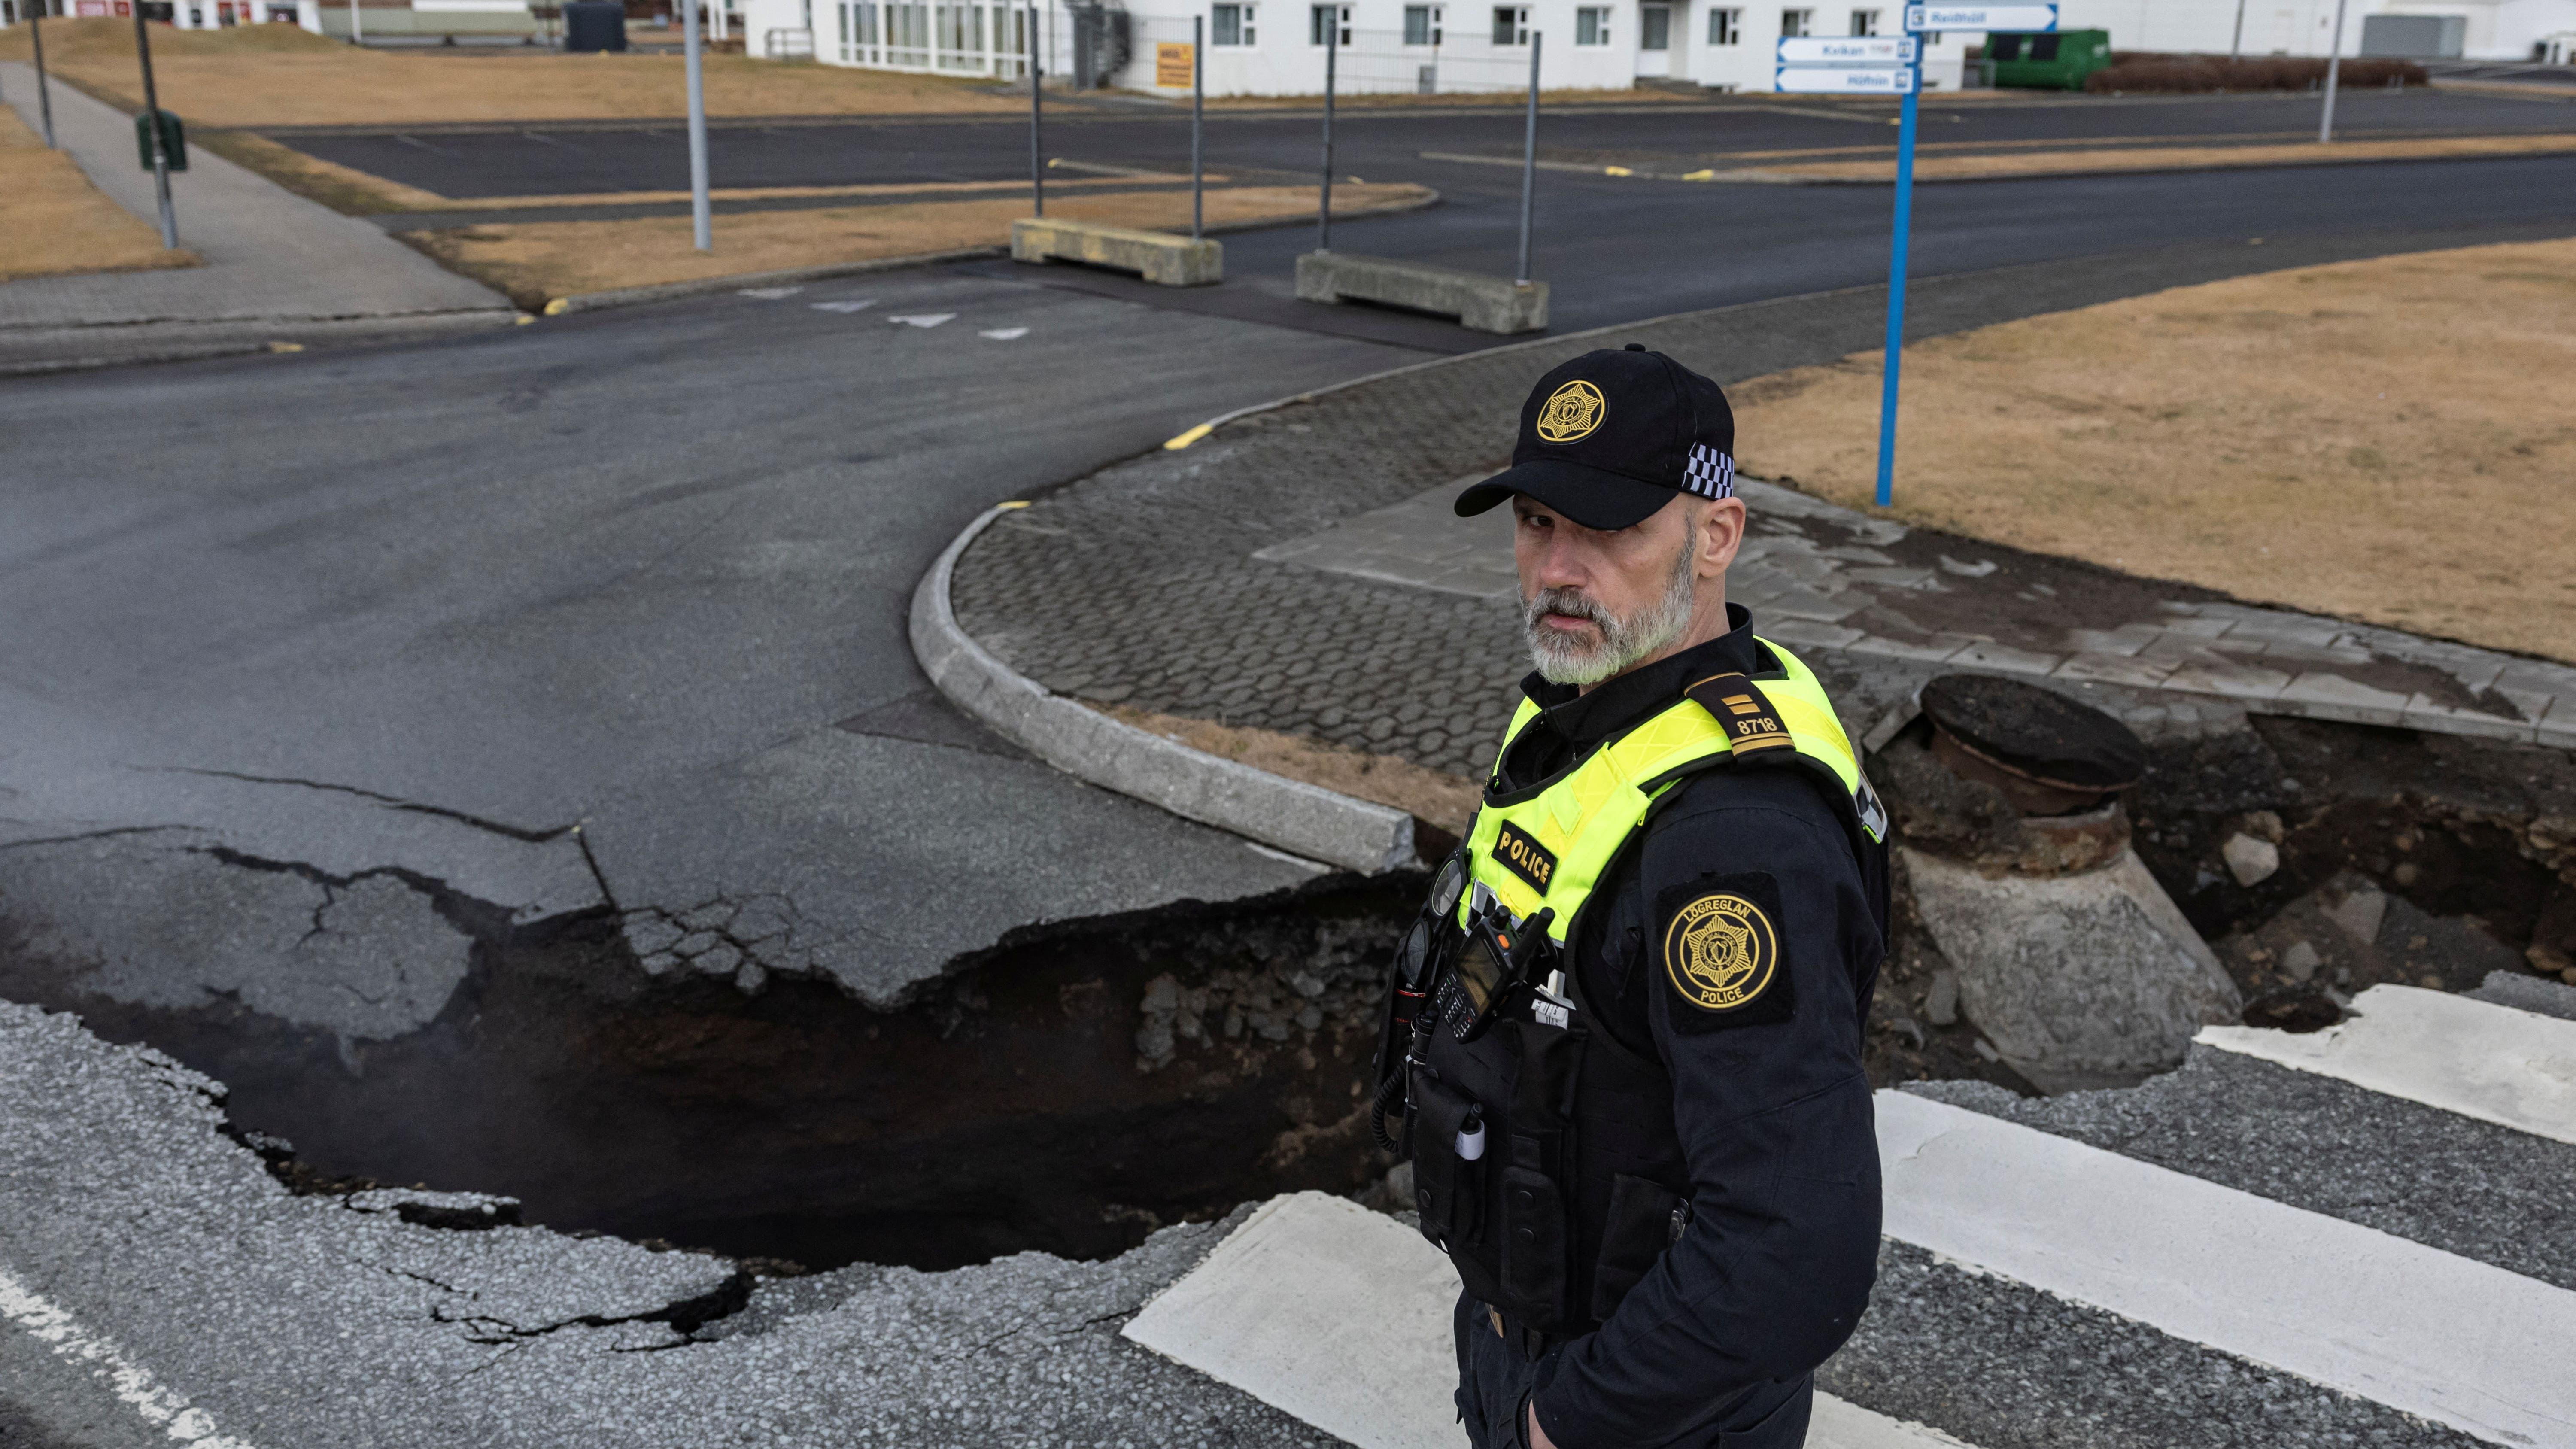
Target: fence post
{"type": "Point", "coordinates": [152, 120]}
{"type": "Point", "coordinates": [701, 225]}
{"type": "Point", "coordinates": [1037, 120]}
{"type": "Point", "coordinates": [357, 26]}
{"type": "Point", "coordinates": [2334, 67]}
{"type": "Point", "coordinates": [44, 91]}
{"type": "Point", "coordinates": [1529, 162]}
{"type": "Point", "coordinates": [1332, 58]}
{"type": "Point", "coordinates": [1198, 119]}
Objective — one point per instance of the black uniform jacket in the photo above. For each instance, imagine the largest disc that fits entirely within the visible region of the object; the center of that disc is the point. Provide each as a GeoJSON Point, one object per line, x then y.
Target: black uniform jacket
{"type": "Point", "coordinates": [1769, 1099]}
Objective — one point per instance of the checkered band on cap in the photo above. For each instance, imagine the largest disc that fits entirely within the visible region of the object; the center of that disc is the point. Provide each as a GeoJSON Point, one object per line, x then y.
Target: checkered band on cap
{"type": "Point", "coordinates": [1709, 473]}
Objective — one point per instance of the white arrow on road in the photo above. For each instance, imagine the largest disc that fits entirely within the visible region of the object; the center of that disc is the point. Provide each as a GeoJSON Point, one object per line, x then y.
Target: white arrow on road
{"type": "Point", "coordinates": [923, 319]}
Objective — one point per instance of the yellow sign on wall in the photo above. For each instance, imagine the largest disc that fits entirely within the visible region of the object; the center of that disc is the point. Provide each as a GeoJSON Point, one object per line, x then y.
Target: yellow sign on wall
{"type": "Point", "coordinates": [1172, 65]}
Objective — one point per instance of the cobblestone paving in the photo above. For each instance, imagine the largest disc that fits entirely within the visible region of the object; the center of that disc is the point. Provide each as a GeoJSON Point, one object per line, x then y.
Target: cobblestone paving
{"type": "Point", "coordinates": [1362, 627]}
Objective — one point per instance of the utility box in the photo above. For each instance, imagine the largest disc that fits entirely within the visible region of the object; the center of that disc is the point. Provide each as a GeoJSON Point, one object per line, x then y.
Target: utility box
{"type": "Point", "coordinates": [594, 25]}
{"type": "Point", "coordinates": [2415, 37]}
{"type": "Point", "coordinates": [2050, 61]}
{"type": "Point", "coordinates": [174, 140]}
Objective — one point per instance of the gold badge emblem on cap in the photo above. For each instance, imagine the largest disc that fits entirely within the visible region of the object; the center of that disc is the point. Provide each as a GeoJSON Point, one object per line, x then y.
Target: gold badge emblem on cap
{"type": "Point", "coordinates": [1571, 412]}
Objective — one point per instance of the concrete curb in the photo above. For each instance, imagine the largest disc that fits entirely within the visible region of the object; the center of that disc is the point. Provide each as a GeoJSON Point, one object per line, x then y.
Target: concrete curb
{"type": "Point", "coordinates": [708, 286]}
{"type": "Point", "coordinates": [794, 276]}
{"type": "Point", "coordinates": [1290, 815]}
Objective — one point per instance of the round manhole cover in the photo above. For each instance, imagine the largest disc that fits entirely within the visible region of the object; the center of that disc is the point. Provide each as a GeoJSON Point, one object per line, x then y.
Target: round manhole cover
{"type": "Point", "coordinates": [2035, 734]}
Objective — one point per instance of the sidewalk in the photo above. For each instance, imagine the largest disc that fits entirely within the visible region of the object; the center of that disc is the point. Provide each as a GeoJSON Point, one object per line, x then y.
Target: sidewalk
{"type": "Point", "coordinates": [278, 267]}
{"type": "Point", "coordinates": [1298, 571]}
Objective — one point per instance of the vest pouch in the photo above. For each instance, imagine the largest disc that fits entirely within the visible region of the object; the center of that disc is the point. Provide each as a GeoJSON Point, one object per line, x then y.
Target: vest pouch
{"type": "Point", "coordinates": [1534, 1255]}
{"type": "Point", "coordinates": [1635, 1233]}
{"type": "Point", "coordinates": [1448, 1190]}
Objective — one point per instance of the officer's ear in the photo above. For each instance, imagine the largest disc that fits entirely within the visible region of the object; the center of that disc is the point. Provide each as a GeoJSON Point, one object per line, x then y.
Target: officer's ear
{"type": "Point", "coordinates": [1721, 533]}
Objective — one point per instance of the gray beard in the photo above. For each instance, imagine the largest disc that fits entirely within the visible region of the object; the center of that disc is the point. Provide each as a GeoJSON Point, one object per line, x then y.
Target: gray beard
{"type": "Point", "coordinates": [1624, 642]}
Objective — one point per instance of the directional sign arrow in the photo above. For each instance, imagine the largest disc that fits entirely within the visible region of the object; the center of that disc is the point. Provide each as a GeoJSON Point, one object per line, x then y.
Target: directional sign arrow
{"type": "Point", "coordinates": [1980, 17]}
{"type": "Point", "coordinates": [1845, 81]}
{"type": "Point", "coordinates": [1878, 50]}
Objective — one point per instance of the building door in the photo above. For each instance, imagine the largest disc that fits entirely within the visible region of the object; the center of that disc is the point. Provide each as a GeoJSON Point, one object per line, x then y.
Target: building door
{"type": "Point", "coordinates": [1654, 39]}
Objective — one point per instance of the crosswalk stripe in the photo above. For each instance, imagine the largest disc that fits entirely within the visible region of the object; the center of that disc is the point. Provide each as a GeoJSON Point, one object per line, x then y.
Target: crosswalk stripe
{"type": "Point", "coordinates": [2417, 1329]}
{"type": "Point", "coordinates": [1341, 1317]}
{"type": "Point", "coordinates": [2494, 1063]}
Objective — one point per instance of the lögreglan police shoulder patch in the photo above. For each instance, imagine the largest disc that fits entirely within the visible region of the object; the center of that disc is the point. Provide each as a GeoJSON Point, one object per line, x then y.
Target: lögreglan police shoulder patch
{"type": "Point", "coordinates": [1720, 955]}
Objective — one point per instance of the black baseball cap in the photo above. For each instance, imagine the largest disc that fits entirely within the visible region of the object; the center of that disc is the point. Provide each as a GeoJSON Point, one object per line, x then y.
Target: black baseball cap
{"type": "Point", "coordinates": [1611, 436]}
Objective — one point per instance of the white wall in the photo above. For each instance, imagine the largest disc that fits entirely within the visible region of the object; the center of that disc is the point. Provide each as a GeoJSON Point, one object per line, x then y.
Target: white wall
{"type": "Point", "coordinates": [1283, 61]}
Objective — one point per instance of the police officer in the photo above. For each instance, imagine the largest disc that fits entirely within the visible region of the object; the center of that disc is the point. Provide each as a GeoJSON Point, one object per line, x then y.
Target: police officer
{"type": "Point", "coordinates": [1625, 1039]}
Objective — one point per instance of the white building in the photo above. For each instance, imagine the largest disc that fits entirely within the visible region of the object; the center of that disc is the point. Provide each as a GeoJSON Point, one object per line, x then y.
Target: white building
{"type": "Point", "coordinates": [1276, 47]}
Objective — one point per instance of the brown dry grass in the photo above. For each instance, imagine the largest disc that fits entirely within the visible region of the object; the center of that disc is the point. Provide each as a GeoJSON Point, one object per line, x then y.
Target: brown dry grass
{"type": "Point", "coordinates": [2097, 160]}
{"type": "Point", "coordinates": [1442, 799]}
{"type": "Point", "coordinates": [2390, 440]}
{"type": "Point", "coordinates": [59, 223]}
{"type": "Point", "coordinates": [277, 75]}
{"type": "Point", "coordinates": [537, 261]}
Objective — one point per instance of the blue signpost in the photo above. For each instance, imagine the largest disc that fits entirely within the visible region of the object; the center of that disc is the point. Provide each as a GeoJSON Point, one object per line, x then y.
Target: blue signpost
{"type": "Point", "coordinates": [1919, 21]}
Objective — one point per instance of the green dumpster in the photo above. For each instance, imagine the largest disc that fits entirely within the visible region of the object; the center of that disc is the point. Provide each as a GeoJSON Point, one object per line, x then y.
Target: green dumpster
{"type": "Point", "coordinates": [2054, 61]}
{"type": "Point", "coordinates": [174, 140]}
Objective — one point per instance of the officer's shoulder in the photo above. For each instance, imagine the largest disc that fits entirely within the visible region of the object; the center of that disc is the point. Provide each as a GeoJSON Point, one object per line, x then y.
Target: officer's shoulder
{"type": "Point", "coordinates": [1753, 818]}
{"type": "Point", "coordinates": [1749, 790]}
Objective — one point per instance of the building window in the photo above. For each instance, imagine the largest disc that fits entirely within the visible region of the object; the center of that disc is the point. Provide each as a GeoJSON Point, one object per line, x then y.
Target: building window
{"type": "Point", "coordinates": [1794, 23]}
{"type": "Point", "coordinates": [1655, 27]}
{"type": "Point", "coordinates": [1864, 22]}
{"type": "Point", "coordinates": [1231, 25]}
{"type": "Point", "coordinates": [1422, 24]}
{"type": "Point", "coordinates": [1725, 27]}
{"type": "Point", "coordinates": [1511, 25]}
{"type": "Point", "coordinates": [1319, 25]}
{"type": "Point", "coordinates": [1592, 25]}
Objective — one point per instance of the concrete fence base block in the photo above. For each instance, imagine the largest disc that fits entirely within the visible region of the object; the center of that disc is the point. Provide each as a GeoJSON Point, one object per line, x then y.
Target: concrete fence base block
{"type": "Point", "coordinates": [1480, 303]}
{"type": "Point", "coordinates": [1163, 258]}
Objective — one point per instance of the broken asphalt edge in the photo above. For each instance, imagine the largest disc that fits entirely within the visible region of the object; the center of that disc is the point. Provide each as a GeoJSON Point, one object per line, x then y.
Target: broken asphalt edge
{"type": "Point", "coordinates": [1301, 819]}
{"type": "Point", "coordinates": [799, 276]}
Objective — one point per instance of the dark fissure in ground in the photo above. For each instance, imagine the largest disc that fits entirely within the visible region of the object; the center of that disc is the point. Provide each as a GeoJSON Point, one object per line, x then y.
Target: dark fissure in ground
{"type": "Point", "coordinates": [1067, 1093]}
{"type": "Point", "coordinates": [1074, 1088]}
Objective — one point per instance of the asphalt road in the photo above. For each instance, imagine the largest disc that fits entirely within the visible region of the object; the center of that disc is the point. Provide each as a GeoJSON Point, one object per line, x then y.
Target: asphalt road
{"type": "Point", "coordinates": [313, 658]}
{"type": "Point", "coordinates": [424, 610]}
{"type": "Point", "coordinates": [1383, 145]}
{"type": "Point", "coordinates": [410, 616]}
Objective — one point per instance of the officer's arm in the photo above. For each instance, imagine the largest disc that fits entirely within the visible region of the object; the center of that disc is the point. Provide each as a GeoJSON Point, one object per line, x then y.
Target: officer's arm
{"type": "Point", "coordinates": [1761, 1032]}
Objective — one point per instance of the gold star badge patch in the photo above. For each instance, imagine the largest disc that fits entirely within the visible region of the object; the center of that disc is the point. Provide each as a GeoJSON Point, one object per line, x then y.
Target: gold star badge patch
{"type": "Point", "coordinates": [1720, 951]}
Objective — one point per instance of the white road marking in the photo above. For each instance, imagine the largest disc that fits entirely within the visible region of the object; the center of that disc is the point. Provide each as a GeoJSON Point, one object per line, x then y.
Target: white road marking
{"type": "Point", "coordinates": [2433, 1334]}
{"type": "Point", "coordinates": [1005, 334]}
{"type": "Point", "coordinates": [860, 305]}
{"type": "Point", "coordinates": [923, 319]}
{"type": "Point", "coordinates": [2513, 1068]}
{"type": "Point", "coordinates": [1341, 1317]}
{"type": "Point", "coordinates": [132, 1384]}
{"type": "Point", "coordinates": [771, 294]}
